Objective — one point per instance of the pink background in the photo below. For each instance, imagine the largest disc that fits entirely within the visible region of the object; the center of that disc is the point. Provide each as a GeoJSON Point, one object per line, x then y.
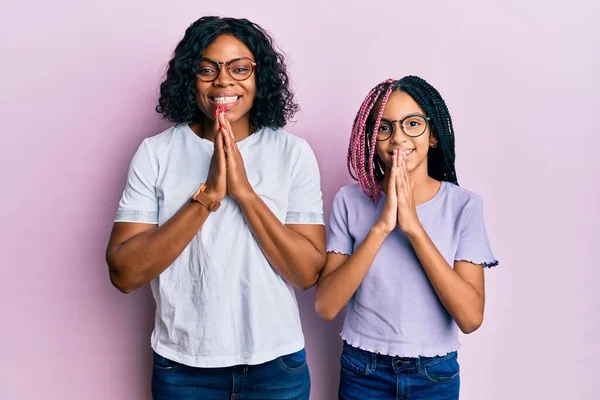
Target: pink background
{"type": "Point", "coordinates": [78, 89]}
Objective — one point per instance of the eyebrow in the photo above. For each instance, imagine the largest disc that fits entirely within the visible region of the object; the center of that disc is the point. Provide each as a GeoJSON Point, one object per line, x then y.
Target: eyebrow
{"type": "Point", "coordinates": [414, 114]}
{"type": "Point", "coordinates": [233, 59]}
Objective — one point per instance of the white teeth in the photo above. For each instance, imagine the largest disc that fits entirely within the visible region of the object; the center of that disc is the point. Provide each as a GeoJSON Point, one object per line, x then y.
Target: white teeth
{"type": "Point", "coordinates": [226, 100]}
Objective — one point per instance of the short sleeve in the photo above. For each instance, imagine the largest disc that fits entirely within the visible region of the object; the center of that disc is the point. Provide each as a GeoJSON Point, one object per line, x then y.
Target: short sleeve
{"type": "Point", "coordinates": [473, 243]}
{"type": "Point", "coordinates": [339, 239]}
{"type": "Point", "coordinates": [305, 202]}
{"type": "Point", "coordinates": [139, 202]}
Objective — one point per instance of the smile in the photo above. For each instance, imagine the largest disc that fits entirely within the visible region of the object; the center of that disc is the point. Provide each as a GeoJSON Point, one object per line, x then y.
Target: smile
{"type": "Point", "coordinates": [405, 153]}
{"type": "Point", "coordinates": [225, 100]}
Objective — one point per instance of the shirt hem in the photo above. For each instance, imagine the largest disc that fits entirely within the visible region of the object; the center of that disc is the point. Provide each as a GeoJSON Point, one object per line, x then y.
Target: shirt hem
{"type": "Point", "coordinates": [137, 216]}
{"type": "Point", "coordinates": [485, 264]}
{"type": "Point", "coordinates": [337, 250]}
{"type": "Point", "coordinates": [211, 362]}
{"type": "Point", "coordinates": [304, 218]}
{"type": "Point", "coordinates": [386, 350]}
{"type": "Point", "coordinates": [136, 222]}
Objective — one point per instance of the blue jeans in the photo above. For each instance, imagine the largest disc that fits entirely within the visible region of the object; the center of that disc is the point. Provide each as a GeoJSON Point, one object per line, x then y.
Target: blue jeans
{"type": "Point", "coordinates": [366, 375]}
{"type": "Point", "coordinates": [286, 377]}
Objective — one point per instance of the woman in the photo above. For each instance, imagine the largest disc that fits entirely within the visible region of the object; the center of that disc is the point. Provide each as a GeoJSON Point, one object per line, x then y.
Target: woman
{"type": "Point", "coordinates": [222, 214]}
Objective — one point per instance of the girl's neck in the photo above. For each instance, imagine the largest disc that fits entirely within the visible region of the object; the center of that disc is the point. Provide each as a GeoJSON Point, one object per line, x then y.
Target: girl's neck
{"type": "Point", "coordinates": [424, 186]}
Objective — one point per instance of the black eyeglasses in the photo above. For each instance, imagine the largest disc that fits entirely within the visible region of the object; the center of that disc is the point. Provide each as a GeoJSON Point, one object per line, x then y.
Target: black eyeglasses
{"type": "Point", "coordinates": [239, 69]}
{"type": "Point", "coordinates": [413, 125]}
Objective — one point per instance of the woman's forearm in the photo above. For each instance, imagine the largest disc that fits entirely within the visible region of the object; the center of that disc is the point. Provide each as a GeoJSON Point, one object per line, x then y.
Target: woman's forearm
{"type": "Point", "coordinates": [136, 256]}
{"type": "Point", "coordinates": [295, 257]}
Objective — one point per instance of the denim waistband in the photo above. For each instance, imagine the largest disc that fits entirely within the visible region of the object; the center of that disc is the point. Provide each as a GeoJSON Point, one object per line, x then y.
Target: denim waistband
{"type": "Point", "coordinates": [403, 363]}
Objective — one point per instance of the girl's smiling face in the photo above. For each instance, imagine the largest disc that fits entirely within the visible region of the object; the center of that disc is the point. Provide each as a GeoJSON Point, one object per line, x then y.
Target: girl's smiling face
{"type": "Point", "coordinates": [401, 106]}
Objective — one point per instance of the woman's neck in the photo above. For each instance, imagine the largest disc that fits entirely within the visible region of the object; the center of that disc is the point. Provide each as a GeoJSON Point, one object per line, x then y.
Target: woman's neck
{"type": "Point", "coordinates": [241, 128]}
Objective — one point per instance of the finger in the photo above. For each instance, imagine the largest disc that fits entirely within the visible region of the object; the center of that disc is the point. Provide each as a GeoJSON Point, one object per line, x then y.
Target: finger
{"type": "Point", "coordinates": [402, 169]}
{"type": "Point", "coordinates": [220, 145]}
{"type": "Point", "coordinates": [229, 143]}
{"type": "Point", "coordinates": [216, 125]}
{"type": "Point", "coordinates": [225, 120]}
{"type": "Point", "coordinates": [229, 129]}
{"type": "Point", "coordinates": [218, 112]}
{"type": "Point", "coordinates": [218, 142]}
{"type": "Point", "coordinates": [226, 139]}
{"type": "Point", "coordinates": [393, 176]}
{"type": "Point", "coordinates": [222, 125]}
{"type": "Point", "coordinates": [220, 150]}
{"type": "Point", "coordinates": [399, 159]}
{"type": "Point", "coordinates": [405, 177]}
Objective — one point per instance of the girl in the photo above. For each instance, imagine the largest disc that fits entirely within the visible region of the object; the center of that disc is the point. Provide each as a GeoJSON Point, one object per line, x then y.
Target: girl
{"type": "Point", "coordinates": [222, 214]}
{"type": "Point", "coordinates": [405, 251]}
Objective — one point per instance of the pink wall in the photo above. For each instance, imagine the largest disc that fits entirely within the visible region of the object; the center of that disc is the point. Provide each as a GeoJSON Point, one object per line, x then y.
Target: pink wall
{"type": "Point", "coordinates": [78, 88]}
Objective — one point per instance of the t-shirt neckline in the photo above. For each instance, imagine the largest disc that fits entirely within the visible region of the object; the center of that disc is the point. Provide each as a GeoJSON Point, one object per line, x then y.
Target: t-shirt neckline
{"type": "Point", "coordinates": [208, 143]}
{"type": "Point", "coordinates": [435, 198]}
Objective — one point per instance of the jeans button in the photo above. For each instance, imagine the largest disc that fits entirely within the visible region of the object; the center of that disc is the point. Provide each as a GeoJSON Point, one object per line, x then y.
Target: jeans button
{"type": "Point", "coordinates": [400, 363]}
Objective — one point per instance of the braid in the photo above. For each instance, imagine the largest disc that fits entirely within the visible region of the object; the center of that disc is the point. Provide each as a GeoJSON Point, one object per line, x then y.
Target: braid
{"type": "Point", "coordinates": [364, 164]}
{"type": "Point", "coordinates": [361, 150]}
{"type": "Point", "coordinates": [440, 163]}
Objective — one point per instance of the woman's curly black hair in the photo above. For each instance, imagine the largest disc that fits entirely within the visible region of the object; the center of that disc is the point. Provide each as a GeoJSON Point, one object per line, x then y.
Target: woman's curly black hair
{"type": "Point", "coordinates": [274, 103]}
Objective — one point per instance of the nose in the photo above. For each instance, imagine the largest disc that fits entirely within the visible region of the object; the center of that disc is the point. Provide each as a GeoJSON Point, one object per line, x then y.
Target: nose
{"type": "Point", "coordinates": [224, 79]}
{"type": "Point", "coordinates": [398, 135]}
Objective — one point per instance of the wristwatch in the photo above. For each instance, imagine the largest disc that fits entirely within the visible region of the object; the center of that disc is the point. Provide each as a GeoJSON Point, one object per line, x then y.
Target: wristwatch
{"type": "Point", "coordinates": [204, 199]}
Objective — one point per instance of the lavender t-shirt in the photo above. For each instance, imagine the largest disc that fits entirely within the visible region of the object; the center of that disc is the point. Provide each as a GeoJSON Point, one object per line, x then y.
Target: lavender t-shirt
{"type": "Point", "coordinates": [395, 310]}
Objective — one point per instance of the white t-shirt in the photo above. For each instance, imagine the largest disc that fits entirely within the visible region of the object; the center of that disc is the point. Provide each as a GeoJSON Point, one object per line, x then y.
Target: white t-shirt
{"type": "Point", "coordinates": [221, 303]}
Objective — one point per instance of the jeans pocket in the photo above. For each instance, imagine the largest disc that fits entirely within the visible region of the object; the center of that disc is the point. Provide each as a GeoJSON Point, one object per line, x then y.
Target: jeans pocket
{"type": "Point", "coordinates": [163, 364]}
{"type": "Point", "coordinates": [351, 365]}
{"type": "Point", "coordinates": [444, 370]}
{"type": "Point", "coordinates": [295, 362]}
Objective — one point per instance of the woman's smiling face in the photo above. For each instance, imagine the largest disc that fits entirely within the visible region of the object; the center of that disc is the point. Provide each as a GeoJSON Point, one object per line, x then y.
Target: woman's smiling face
{"type": "Point", "coordinates": [236, 96]}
